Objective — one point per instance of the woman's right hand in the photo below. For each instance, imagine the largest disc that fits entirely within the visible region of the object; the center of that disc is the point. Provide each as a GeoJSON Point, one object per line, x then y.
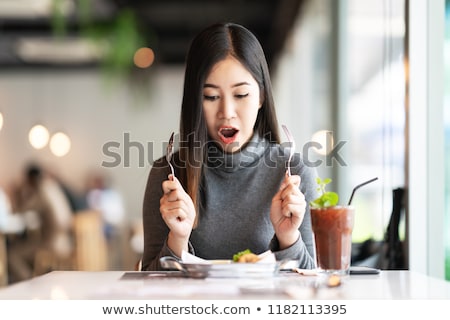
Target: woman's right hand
{"type": "Point", "coordinates": [178, 212]}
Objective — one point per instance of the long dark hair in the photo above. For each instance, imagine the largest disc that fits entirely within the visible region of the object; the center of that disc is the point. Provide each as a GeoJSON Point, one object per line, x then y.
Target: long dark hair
{"type": "Point", "coordinates": [210, 46]}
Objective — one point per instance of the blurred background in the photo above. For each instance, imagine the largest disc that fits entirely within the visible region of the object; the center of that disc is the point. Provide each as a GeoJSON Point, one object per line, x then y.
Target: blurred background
{"type": "Point", "coordinates": [91, 90]}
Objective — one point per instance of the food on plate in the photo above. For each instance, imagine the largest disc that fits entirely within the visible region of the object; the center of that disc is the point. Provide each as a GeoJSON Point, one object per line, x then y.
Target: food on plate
{"type": "Point", "coordinates": [248, 257]}
{"type": "Point", "coordinates": [245, 256]}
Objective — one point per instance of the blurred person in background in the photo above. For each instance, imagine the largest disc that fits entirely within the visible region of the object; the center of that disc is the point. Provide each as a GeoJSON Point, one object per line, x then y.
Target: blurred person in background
{"type": "Point", "coordinates": [10, 223]}
{"type": "Point", "coordinates": [5, 209]}
{"type": "Point", "coordinates": [76, 200]}
{"type": "Point", "coordinates": [104, 198]}
{"type": "Point", "coordinates": [41, 195]}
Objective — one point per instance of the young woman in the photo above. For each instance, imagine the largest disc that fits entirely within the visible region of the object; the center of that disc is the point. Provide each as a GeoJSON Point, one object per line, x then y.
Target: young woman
{"type": "Point", "coordinates": [231, 190]}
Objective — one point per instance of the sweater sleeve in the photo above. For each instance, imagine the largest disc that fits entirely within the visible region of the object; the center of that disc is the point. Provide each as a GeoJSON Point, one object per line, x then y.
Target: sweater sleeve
{"type": "Point", "coordinates": [155, 229]}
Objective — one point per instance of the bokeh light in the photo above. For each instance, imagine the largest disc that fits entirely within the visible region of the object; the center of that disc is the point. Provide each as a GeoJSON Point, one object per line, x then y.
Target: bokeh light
{"type": "Point", "coordinates": [325, 139]}
{"type": "Point", "coordinates": [38, 136]}
{"type": "Point", "coordinates": [60, 144]}
{"type": "Point", "coordinates": [144, 57]}
{"type": "Point", "coordinates": [1, 121]}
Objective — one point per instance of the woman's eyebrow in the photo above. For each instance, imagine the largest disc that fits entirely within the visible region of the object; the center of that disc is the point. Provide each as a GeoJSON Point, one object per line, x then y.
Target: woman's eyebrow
{"type": "Point", "coordinates": [244, 83]}
{"type": "Point", "coordinates": [210, 85]}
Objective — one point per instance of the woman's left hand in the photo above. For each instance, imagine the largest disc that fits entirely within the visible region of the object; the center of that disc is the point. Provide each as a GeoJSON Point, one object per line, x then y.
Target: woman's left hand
{"type": "Point", "coordinates": [287, 211]}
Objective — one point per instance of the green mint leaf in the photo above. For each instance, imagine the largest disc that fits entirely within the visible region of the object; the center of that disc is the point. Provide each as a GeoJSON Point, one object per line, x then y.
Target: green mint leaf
{"type": "Point", "coordinates": [327, 198]}
{"type": "Point", "coordinates": [330, 199]}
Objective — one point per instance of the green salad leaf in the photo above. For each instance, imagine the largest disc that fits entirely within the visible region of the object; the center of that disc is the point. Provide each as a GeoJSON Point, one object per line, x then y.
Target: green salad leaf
{"type": "Point", "coordinates": [239, 254]}
{"type": "Point", "coordinates": [327, 198]}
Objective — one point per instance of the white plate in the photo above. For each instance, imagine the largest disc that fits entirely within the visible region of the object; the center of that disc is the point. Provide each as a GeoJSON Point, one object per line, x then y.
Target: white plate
{"type": "Point", "coordinates": [222, 268]}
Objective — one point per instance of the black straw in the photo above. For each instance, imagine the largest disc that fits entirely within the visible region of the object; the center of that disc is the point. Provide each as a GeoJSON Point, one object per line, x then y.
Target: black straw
{"type": "Point", "coordinates": [359, 186]}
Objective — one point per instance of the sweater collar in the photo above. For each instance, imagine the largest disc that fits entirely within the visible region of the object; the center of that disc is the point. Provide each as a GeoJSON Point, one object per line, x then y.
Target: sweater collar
{"type": "Point", "coordinates": [245, 157]}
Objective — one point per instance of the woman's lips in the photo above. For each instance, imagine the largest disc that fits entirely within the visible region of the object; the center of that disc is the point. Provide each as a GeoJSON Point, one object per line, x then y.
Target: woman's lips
{"type": "Point", "coordinates": [228, 134]}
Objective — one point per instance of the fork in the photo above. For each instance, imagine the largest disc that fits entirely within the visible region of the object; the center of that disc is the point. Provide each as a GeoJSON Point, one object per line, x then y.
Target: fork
{"type": "Point", "coordinates": [292, 150]}
{"type": "Point", "coordinates": [169, 153]}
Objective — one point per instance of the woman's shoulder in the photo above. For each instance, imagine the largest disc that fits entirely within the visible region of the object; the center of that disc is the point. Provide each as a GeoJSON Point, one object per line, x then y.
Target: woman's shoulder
{"type": "Point", "coordinates": [159, 162]}
{"type": "Point", "coordinates": [160, 167]}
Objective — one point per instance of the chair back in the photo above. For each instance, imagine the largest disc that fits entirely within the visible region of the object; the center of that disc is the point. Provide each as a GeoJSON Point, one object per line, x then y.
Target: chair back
{"type": "Point", "coordinates": [90, 243]}
{"type": "Point", "coordinates": [3, 262]}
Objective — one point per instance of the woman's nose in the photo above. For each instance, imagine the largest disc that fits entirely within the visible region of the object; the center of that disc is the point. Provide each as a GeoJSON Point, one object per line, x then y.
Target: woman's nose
{"type": "Point", "coordinates": [227, 109]}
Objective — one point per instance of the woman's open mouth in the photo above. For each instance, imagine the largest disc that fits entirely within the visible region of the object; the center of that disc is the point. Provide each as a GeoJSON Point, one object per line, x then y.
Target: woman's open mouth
{"type": "Point", "coordinates": [228, 134]}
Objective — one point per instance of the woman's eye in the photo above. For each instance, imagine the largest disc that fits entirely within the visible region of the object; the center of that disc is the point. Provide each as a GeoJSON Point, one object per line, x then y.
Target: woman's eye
{"type": "Point", "coordinates": [210, 98]}
{"type": "Point", "coordinates": [241, 96]}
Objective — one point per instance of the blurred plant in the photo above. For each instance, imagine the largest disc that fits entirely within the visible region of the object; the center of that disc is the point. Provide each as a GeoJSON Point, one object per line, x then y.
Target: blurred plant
{"type": "Point", "coordinates": [118, 39]}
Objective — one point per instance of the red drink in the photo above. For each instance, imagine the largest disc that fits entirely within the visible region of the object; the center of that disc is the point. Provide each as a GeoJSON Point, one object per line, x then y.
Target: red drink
{"type": "Point", "coordinates": [332, 229]}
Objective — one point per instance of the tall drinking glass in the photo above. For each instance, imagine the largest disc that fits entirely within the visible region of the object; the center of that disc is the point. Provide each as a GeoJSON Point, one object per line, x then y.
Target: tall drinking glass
{"type": "Point", "coordinates": [333, 227]}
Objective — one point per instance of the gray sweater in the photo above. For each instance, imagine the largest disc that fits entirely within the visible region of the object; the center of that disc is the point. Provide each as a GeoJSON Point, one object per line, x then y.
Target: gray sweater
{"type": "Point", "coordinates": [237, 190]}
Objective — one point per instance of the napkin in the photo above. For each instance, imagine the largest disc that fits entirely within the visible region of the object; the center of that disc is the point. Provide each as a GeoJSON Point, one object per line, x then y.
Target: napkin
{"type": "Point", "coordinates": [306, 272]}
{"type": "Point", "coordinates": [186, 257]}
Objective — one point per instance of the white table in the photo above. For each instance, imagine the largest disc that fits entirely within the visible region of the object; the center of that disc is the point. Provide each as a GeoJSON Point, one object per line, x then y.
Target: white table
{"type": "Point", "coordinates": [111, 285]}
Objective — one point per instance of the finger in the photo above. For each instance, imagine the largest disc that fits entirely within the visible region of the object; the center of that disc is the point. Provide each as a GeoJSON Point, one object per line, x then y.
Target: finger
{"type": "Point", "coordinates": [172, 212]}
{"type": "Point", "coordinates": [177, 194]}
{"type": "Point", "coordinates": [293, 198]}
{"type": "Point", "coordinates": [292, 194]}
{"type": "Point", "coordinates": [294, 180]}
{"type": "Point", "coordinates": [294, 204]}
{"type": "Point", "coordinates": [297, 209]}
{"type": "Point", "coordinates": [175, 179]}
{"type": "Point", "coordinates": [172, 196]}
{"type": "Point", "coordinates": [170, 185]}
{"type": "Point", "coordinates": [294, 209]}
